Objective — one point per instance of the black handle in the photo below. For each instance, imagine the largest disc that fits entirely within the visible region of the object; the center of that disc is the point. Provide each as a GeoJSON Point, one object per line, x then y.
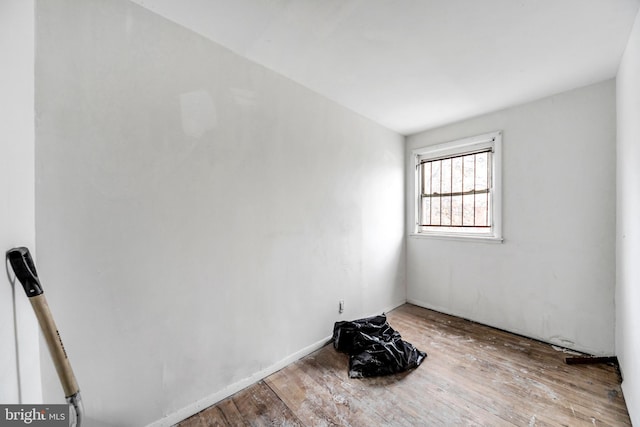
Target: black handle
{"type": "Point", "coordinates": [22, 264]}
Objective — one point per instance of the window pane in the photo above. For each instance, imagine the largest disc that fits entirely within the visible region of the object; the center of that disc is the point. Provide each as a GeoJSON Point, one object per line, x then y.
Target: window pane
{"type": "Point", "coordinates": [446, 176]}
{"type": "Point", "coordinates": [426, 177]}
{"type": "Point", "coordinates": [456, 211]}
{"type": "Point", "coordinates": [454, 175]}
{"type": "Point", "coordinates": [435, 211]}
{"type": "Point", "coordinates": [469, 173]}
{"type": "Point", "coordinates": [425, 211]}
{"type": "Point", "coordinates": [467, 211]}
{"type": "Point", "coordinates": [456, 170]}
{"type": "Point", "coordinates": [481, 210]}
{"type": "Point", "coordinates": [481, 171]}
{"type": "Point", "coordinates": [445, 208]}
{"type": "Point", "coordinates": [435, 177]}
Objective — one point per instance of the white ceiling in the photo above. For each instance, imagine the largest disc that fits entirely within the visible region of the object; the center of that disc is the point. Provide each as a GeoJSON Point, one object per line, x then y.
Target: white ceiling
{"type": "Point", "coordinates": [411, 65]}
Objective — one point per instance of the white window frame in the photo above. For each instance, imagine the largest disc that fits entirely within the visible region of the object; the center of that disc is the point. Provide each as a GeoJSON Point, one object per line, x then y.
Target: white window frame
{"type": "Point", "coordinates": [493, 141]}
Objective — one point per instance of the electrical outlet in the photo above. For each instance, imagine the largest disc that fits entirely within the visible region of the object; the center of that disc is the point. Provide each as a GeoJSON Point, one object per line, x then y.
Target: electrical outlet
{"type": "Point", "coordinates": [340, 306]}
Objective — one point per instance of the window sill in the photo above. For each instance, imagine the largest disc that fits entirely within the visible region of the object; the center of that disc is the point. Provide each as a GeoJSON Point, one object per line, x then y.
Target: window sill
{"type": "Point", "coordinates": [458, 237]}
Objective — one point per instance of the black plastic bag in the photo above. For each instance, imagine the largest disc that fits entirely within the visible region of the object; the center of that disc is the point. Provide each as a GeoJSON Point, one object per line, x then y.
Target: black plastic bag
{"type": "Point", "coordinates": [374, 347]}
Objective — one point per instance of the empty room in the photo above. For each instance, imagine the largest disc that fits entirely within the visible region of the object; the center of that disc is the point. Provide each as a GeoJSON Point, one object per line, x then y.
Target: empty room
{"type": "Point", "coordinates": [215, 196]}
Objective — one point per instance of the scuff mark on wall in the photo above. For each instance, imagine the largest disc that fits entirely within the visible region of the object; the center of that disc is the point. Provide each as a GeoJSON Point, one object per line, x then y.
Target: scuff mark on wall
{"type": "Point", "coordinates": [244, 97]}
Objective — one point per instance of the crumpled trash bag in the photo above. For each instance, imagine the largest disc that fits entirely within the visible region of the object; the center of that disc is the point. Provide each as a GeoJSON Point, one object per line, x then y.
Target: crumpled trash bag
{"type": "Point", "coordinates": [374, 347]}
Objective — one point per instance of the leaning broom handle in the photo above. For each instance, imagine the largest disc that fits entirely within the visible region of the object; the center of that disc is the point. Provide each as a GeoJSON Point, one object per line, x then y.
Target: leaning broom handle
{"type": "Point", "coordinates": [25, 270]}
{"type": "Point", "coordinates": [56, 348]}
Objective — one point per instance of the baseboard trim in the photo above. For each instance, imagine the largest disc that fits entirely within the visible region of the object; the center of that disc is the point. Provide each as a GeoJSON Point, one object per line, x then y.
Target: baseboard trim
{"type": "Point", "coordinates": [433, 307]}
{"type": "Point", "coordinates": [559, 345]}
{"type": "Point", "coordinates": [216, 397]}
{"type": "Point", "coordinates": [394, 306]}
{"type": "Point", "coordinates": [194, 408]}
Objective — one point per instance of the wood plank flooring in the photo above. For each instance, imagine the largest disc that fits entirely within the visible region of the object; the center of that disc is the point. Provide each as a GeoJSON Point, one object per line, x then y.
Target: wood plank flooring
{"type": "Point", "coordinates": [473, 375]}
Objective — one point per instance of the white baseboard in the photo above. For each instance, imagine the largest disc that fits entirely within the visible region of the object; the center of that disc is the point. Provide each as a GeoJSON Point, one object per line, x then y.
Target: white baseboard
{"type": "Point", "coordinates": [547, 340]}
{"type": "Point", "coordinates": [394, 306]}
{"type": "Point", "coordinates": [214, 398]}
{"type": "Point", "coordinates": [431, 307]}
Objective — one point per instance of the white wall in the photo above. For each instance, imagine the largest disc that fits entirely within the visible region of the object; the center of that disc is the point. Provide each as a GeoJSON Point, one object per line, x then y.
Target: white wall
{"type": "Point", "coordinates": [553, 277]}
{"type": "Point", "coordinates": [628, 228]}
{"type": "Point", "coordinates": [198, 217]}
{"type": "Point", "coordinates": [19, 352]}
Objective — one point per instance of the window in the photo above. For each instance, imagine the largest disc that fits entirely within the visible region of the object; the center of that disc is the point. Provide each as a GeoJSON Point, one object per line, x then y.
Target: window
{"type": "Point", "coordinates": [458, 188]}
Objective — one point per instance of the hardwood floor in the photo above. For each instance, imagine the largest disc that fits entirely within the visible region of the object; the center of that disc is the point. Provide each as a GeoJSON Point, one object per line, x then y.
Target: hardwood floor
{"type": "Point", "coordinates": [473, 375]}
